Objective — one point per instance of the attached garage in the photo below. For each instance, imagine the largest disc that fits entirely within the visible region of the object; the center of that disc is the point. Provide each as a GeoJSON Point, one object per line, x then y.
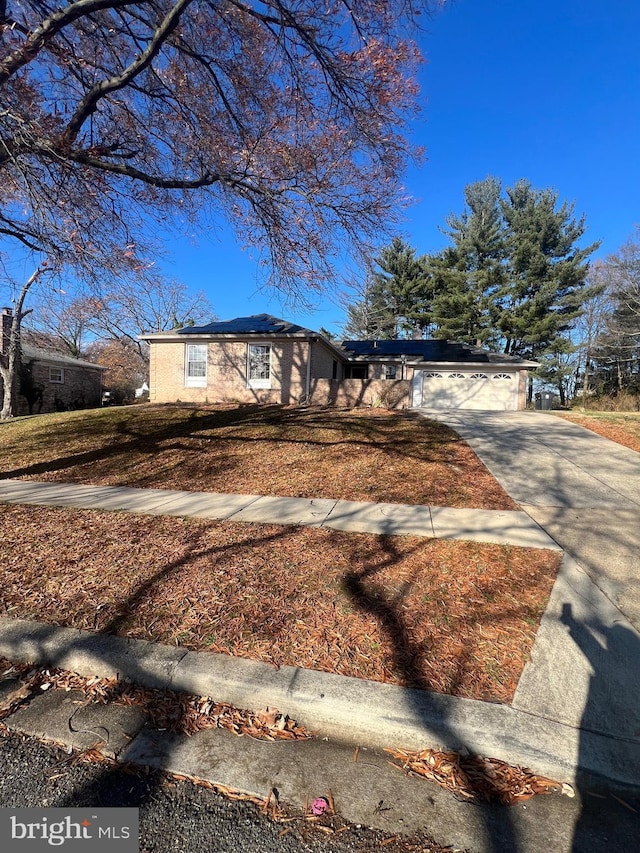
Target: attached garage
{"type": "Point", "coordinates": [465, 388]}
{"type": "Point", "coordinates": [447, 374]}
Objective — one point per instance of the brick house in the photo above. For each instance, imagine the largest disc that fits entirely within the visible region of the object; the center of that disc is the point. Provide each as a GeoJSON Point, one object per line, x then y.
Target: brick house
{"type": "Point", "coordinates": [49, 381]}
{"type": "Point", "coordinates": [268, 360]}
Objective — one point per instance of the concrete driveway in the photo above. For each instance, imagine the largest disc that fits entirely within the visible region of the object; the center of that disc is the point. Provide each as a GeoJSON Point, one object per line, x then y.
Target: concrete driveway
{"type": "Point", "coordinates": [584, 490]}
{"type": "Point", "coordinates": [543, 460]}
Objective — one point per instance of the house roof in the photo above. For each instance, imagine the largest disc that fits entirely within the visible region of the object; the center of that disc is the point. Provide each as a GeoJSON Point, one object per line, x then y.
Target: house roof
{"type": "Point", "coordinates": [52, 356]}
{"type": "Point", "coordinates": [431, 350]}
{"type": "Point", "coordinates": [265, 325]}
{"type": "Point", "coordinates": [257, 324]}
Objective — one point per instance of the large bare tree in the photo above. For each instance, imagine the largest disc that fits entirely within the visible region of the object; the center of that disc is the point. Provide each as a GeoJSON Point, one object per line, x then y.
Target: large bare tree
{"type": "Point", "coordinates": [285, 117]}
{"type": "Point", "coordinates": [116, 309]}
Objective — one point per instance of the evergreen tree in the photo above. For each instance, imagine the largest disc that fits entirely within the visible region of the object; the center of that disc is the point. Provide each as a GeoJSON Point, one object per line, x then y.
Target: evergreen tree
{"type": "Point", "coordinates": [401, 278]}
{"type": "Point", "coordinates": [393, 302]}
{"type": "Point", "coordinates": [467, 276]}
{"type": "Point", "coordinates": [558, 366]}
{"type": "Point", "coordinates": [547, 271]}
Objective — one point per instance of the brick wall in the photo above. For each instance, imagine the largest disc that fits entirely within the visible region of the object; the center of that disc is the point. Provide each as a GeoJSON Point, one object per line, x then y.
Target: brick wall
{"type": "Point", "coordinates": [227, 377]}
{"type": "Point", "coordinates": [81, 388]}
{"type": "Point", "coordinates": [322, 359]}
{"type": "Point", "coordinates": [522, 388]}
{"type": "Point", "coordinates": [393, 394]}
{"type": "Point", "coordinates": [227, 373]}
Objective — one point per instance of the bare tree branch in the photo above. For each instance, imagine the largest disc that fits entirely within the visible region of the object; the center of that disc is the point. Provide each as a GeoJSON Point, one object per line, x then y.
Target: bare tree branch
{"type": "Point", "coordinates": [89, 102]}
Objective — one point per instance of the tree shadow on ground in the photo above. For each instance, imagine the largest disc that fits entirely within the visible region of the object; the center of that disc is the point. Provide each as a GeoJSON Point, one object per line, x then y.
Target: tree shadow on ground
{"type": "Point", "coordinates": [500, 830]}
{"type": "Point", "coordinates": [107, 788]}
{"type": "Point", "coordinates": [613, 652]}
{"type": "Point", "coordinates": [290, 426]}
{"type": "Point", "coordinates": [366, 596]}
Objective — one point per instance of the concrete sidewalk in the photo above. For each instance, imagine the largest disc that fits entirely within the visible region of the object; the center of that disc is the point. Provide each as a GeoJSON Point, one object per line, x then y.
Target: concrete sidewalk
{"type": "Point", "coordinates": [501, 527]}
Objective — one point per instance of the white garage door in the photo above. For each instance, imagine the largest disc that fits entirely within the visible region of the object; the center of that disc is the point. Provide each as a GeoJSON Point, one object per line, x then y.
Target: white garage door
{"type": "Point", "coordinates": [450, 389]}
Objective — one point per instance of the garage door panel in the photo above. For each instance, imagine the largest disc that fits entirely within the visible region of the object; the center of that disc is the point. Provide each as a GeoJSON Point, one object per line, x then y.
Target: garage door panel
{"type": "Point", "coordinates": [469, 390]}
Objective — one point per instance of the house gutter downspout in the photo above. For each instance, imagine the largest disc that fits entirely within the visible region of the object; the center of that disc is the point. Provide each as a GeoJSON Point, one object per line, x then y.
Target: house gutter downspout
{"type": "Point", "coordinates": [308, 388]}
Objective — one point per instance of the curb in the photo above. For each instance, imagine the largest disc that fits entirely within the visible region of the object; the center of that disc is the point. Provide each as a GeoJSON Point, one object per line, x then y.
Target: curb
{"type": "Point", "coordinates": [340, 708]}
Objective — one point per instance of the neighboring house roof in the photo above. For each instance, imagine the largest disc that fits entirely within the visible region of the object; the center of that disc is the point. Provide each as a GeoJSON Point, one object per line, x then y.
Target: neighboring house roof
{"type": "Point", "coordinates": [257, 324]}
{"type": "Point", "coordinates": [53, 357]}
{"type": "Point", "coordinates": [431, 350]}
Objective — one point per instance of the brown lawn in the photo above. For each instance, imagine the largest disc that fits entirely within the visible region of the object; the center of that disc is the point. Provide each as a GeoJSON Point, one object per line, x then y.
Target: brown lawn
{"type": "Point", "coordinates": [371, 455]}
{"type": "Point", "coordinates": [621, 427]}
{"type": "Point", "coordinates": [455, 617]}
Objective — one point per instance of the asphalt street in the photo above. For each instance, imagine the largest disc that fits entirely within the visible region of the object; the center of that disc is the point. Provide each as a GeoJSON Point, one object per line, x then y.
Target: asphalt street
{"type": "Point", "coordinates": [181, 817]}
{"type": "Point", "coordinates": [175, 816]}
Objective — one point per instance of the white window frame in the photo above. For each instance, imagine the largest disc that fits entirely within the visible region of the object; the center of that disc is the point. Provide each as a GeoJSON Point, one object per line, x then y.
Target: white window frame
{"type": "Point", "coordinates": [259, 382]}
{"type": "Point", "coordinates": [56, 375]}
{"type": "Point", "coordinates": [391, 371]}
{"type": "Point", "coordinates": [191, 380]}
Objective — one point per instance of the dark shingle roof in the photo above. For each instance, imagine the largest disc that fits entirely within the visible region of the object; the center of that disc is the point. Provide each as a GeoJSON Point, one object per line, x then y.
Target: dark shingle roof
{"type": "Point", "coordinates": [420, 350]}
{"type": "Point", "coordinates": [40, 354]}
{"type": "Point", "coordinates": [257, 324]}
{"type": "Point", "coordinates": [425, 350]}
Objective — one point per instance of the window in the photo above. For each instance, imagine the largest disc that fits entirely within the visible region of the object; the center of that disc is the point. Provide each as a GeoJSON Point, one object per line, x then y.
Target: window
{"type": "Point", "coordinates": [356, 371]}
{"type": "Point", "coordinates": [478, 376]}
{"type": "Point", "coordinates": [390, 371]}
{"type": "Point", "coordinates": [334, 370]}
{"type": "Point", "coordinates": [433, 375]}
{"type": "Point", "coordinates": [56, 374]}
{"type": "Point", "coordinates": [259, 365]}
{"type": "Point", "coordinates": [457, 376]}
{"type": "Point", "coordinates": [506, 376]}
{"type": "Point", "coordinates": [195, 371]}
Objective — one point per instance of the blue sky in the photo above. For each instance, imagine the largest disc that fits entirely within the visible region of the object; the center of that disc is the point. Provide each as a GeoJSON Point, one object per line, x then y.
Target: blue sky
{"type": "Point", "coordinates": [547, 90]}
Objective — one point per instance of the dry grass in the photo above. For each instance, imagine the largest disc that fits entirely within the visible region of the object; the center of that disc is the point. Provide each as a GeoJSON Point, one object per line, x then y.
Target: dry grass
{"type": "Point", "coordinates": [621, 427]}
{"type": "Point", "coordinates": [455, 617]}
{"type": "Point", "coordinates": [355, 454]}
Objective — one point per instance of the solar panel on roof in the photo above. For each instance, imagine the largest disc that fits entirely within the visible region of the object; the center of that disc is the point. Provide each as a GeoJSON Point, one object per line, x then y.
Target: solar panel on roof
{"type": "Point", "coordinates": [260, 324]}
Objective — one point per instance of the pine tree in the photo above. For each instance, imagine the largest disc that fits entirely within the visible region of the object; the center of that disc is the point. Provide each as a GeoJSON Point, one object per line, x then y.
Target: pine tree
{"type": "Point", "coordinates": [393, 302]}
{"type": "Point", "coordinates": [547, 271]}
{"type": "Point", "coordinates": [466, 276]}
{"type": "Point", "coordinates": [558, 367]}
{"type": "Point", "coordinates": [401, 278]}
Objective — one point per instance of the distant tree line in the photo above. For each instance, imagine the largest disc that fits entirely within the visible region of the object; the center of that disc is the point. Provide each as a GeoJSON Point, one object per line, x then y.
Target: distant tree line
{"type": "Point", "coordinates": [606, 359]}
{"type": "Point", "coordinates": [514, 278]}
{"type": "Point", "coordinates": [102, 325]}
